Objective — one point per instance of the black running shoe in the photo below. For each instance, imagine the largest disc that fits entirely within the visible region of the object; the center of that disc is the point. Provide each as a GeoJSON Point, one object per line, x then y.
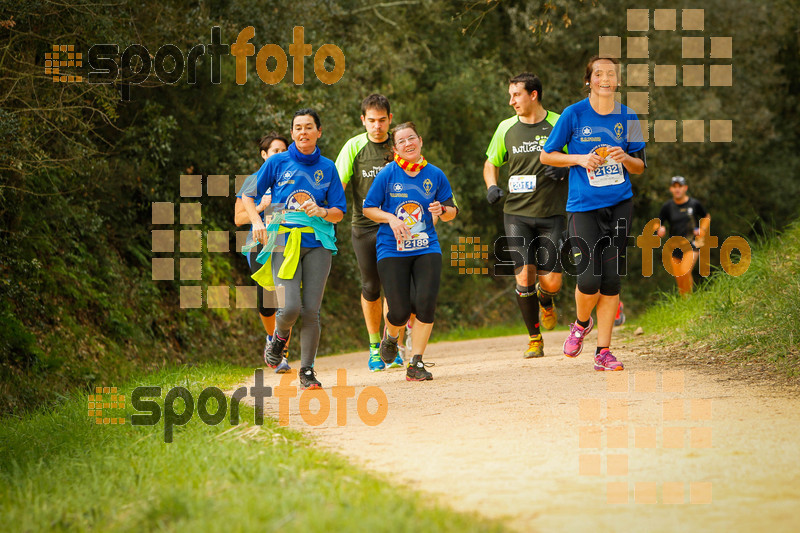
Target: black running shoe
{"type": "Point", "coordinates": [308, 378]}
{"type": "Point", "coordinates": [388, 350]}
{"type": "Point", "coordinates": [275, 353]}
{"type": "Point", "coordinates": [416, 370]}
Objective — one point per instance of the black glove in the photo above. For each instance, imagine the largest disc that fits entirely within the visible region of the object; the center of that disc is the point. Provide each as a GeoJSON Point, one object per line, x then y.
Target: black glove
{"type": "Point", "coordinates": [556, 173]}
{"type": "Point", "coordinates": [494, 194]}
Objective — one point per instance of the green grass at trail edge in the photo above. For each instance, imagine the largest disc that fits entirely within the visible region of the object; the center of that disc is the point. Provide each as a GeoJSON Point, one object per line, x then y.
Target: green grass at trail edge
{"type": "Point", "coordinates": [744, 319]}
{"type": "Point", "coordinates": [486, 332]}
{"type": "Point", "coordinates": [461, 333]}
{"type": "Point", "coordinates": [59, 471]}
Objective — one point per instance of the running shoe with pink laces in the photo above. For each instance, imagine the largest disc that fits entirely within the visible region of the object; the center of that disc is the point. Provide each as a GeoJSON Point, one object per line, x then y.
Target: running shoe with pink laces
{"type": "Point", "coordinates": [605, 360]}
{"type": "Point", "coordinates": [573, 346]}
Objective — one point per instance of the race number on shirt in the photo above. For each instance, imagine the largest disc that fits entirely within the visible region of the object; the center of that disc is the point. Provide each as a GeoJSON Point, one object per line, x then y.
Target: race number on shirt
{"type": "Point", "coordinates": [609, 173]}
{"type": "Point", "coordinates": [418, 241]}
{"type": "Point", "coordinates": [522, 183]}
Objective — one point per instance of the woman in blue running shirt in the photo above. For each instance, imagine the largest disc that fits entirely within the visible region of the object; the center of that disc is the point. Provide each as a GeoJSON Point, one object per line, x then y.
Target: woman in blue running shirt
{"type": "Point", "coordinates": [403, 199]}
{"type": "Point", "coordinates": [605, 146]}
{"type": "Point", "coordinates": [308, 186]}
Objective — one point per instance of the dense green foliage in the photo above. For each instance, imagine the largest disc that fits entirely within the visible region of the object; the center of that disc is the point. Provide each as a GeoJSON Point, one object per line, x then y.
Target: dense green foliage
{"type": "Point", "coordinates": [740, 319]}
{"type": "Point", "coordinates": [79, 169]}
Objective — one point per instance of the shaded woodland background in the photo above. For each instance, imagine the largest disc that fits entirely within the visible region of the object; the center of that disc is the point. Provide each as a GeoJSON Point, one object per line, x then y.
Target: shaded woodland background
{"type": "Point", "coordinates": [79, 169]}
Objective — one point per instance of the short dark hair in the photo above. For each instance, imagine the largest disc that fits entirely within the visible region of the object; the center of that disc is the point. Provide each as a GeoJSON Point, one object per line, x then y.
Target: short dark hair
{"type": "Point", "coordinates": [531, 83]}
{"type": "Point", "coordinates": [307, 111]}
{"type": "Point", "coordinates": [587, 76]}
{"type": "Point", "coordinates": [375, 101]}
{"type": "Point", "coordinates": [266, 141]}
{"type": "Point", "coordinates": [404, 126]}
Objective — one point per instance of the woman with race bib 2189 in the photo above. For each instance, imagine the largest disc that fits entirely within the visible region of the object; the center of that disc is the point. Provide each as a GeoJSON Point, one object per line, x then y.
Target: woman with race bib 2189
{"type": "Point", "coordinates": [403, 199]}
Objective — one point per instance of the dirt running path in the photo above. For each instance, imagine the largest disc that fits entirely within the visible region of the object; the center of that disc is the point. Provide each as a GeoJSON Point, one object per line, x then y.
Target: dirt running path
{"type": "Point", "coordinates": [550, 444]}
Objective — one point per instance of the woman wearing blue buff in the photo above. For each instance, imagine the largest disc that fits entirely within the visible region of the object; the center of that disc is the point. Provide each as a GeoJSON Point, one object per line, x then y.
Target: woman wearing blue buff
{"type": "Point", "coordinates": [403, 199]}
{"type": "Point", "coordinates": [308, 185]}
{"type": "Point", "coordinates": [605, 146]}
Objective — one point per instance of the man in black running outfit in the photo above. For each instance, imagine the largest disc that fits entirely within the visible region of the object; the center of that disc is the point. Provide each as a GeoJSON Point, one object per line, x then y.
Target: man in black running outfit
{"type": "Point", "coordinates": [689, 219]}
{"type": "Point", "coordinates": [535, 207]}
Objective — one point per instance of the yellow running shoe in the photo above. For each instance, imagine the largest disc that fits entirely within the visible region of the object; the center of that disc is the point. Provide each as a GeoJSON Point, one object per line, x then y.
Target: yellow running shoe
{"type": "Point", "coordinates": [548, 316]}
{"type": "Point", "coordinates": [535, 347]}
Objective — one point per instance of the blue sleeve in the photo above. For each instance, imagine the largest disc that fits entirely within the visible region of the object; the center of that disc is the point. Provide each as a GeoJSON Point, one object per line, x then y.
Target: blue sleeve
{"type": "Point", "coordinates": [265, 177]}
{"type": "Point", "coordinates": [443, 192]}
{"type": "Point", "coordinates": [377, 191]}
{"type": "Point", "coordinates": [248, 187]}
{"type": "Point", "coordinates": [560, 136]}
{"type": "Point", "coordinates": [335, 197]}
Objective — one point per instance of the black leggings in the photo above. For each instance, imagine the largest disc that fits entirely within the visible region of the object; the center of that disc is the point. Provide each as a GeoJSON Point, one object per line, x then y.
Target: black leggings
{"type": "Point", "coordinates": [254, 267]}
{"type": "Point", "coordinates": [595, 235]}
{"type": "Point", "coordinates": [364, 239]}
{"type": "Point", "coordinates": [397, 276]}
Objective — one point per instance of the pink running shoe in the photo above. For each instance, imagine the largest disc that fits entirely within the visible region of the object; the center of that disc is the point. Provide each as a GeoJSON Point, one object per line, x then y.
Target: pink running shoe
{"type": "Point", "coordinates": [606, 361]}
{"type": "Point", "coordinates": [573, 346]}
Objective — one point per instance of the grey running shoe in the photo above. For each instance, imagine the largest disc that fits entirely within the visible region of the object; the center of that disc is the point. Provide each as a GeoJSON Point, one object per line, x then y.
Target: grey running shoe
{"type": "Point", "coordinates": [388, 350]}
{"type": "Point", "coordinates": [416, 370]}
{"type": "Point", "coordinates": [308, 378]}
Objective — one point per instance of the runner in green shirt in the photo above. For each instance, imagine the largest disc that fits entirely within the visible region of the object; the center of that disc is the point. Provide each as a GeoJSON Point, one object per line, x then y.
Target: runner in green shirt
{"type": "Point", "coordinates": [359, 161]}
{"type": "Point", "coordinates": [535, 207]}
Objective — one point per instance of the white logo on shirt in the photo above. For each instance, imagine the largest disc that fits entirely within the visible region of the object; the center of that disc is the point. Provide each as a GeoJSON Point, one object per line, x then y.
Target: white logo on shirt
{"type": "Point", "coordinates": [528, 147]}
{"type": "Point", "coordinates": [284, 179]}
{"type": "Point", "coordinates": [370, 173]}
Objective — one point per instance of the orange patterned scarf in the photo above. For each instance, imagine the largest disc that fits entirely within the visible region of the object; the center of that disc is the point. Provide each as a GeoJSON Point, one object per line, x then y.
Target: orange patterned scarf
{"type": "Point", "coordinates": [408, 166]}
